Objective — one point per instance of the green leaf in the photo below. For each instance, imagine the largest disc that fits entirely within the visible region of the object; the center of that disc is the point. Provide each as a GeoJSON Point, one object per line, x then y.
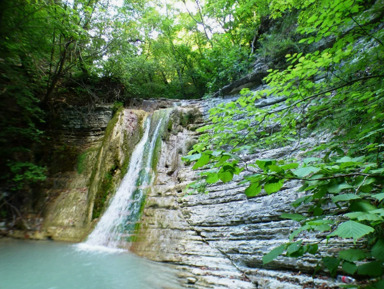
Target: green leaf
{"type": "Point", "coordinates": [295, 249]}
{"type": "Point", "coordinates": [320, 225]}
{"type": "Point", "coordinates": [191, 158]}
{"type": "Point", "coordinates": [272, 255]}
{"type": "Point", "coordinates": [345, 197]}
{"type": "Point", "coordinates": [290, 166]}
{"type": "Point", "coordinates": [295, 233]}
{"type": "Point", "coordinates": [299, 201]}
{"type": "Point", "coordinates": [352, 229]}
{"type": "Point", "coordinates": [310, 160]}
{"type": "Point", "coordinates": [317, 211]}
{"type": "Point", "coordinates": [264, 163]}
{"type": "Point", "coordinates": [379, 197]}
{"type": "Point", "coordinates": [312, 18]}
{"type": "Point", "coordinates": [352, 255]}
{"type": "Point", "coordinates": [378, 250]}
{"type": "Point", "coordinates": [253, 190]}
{"type": "Point", "coordinates": [372, 269]}
{"type": "Point", "coordinates": [312, 248]}
{"type": "Point", "coordinates": [306, 171]}
{"type": "Point", "coordinates": [273, 187]}
{"type": "Point", "coordinates": [275, 168]}
{"type": "Point", "coordinates": [363, 216]}
{"type": "Point", "coordinates": [379, 284]}
{"type": "Point", "coordinates": [378, 212]}
{"type": "Point", "coordinates": [217, 153]}
{"type": "Point", "coordinates": [203, 160]}
{"type": "Point", "coordinates": [349, 268]}
{"type": "Point", "coordinates": [362, 205]}
{"type": "Point", "coordinates": [331, 264]}
{"type": "Point", "coordinates": [212, 178]}
{"type": "Point", "coordinates": [224, 158]}
{"type": "Point", "coordinates": [347, 159]}
{"type": "Point", "coordinates": [226, 176]}
{"type": "Point", "coordinates": [295, 217]}
{"type": "Point", "coordinates": [338, 188]}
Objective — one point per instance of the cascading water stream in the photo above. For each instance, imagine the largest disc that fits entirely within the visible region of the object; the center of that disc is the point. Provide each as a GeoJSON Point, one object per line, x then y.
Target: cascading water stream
{"type": "Point", "coordinates": [118, 222]}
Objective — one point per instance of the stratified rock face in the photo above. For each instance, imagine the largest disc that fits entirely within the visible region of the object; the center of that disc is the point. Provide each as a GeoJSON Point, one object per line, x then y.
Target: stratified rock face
{"type": "Point", "coordinates": [218, 239]}
{"type": "Point", "coordinates": [83, 123]}
{"type": "Point", "coordinates": [79, 194]}
{"type": "Point", "coordinates": [166, 234]}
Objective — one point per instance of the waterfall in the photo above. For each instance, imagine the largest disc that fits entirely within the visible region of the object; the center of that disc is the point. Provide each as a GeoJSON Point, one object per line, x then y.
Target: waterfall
{"type": "Point", "coordinates": [118, 223]}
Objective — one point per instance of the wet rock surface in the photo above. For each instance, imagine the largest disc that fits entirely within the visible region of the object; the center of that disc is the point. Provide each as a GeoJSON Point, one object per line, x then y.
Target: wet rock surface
{"type": "Point", "coordinates": [96, 164]}
{"type": "Point", "coordinates": [218, 239]}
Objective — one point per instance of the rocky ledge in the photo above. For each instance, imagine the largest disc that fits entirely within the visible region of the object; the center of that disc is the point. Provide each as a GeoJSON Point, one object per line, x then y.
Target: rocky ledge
{"type": "Point", "coordinates": [217, 240]}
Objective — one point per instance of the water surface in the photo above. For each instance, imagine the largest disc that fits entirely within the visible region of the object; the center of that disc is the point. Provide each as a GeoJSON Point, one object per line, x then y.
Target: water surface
{"type": "Point", "coordinates": [53, 265]}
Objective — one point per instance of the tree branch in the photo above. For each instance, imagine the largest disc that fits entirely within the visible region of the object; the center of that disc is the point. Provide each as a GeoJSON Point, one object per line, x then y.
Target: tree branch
{"type": "Point", "coordinates": [366, 32]}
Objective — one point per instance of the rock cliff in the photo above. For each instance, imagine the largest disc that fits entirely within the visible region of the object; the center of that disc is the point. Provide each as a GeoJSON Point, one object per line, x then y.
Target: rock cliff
{"type": "Point", "coordinates": [87, 156]}
{"type": "Point", "coordinates": [215, 240]}
{"type": "Point", "coordinates": [218, 239]}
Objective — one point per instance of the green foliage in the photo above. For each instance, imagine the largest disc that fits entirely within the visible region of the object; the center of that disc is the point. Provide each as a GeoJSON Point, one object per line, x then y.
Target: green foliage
{"type": "Point", "coordinates": [331, 264]}
{"type": "Point", "coordinates": [26, 173]}
{"type": "Point", "coordinates": [20, 114]}
{"type": "Point", "coordinates": [332, 88]}
{"type": "Point", "coordinates": [281, 39]}
{"type": "Point", "coordinates": [225, 67]}
{"type": "Point", "coordinates": [273, 254]}
{"type": "Point", "coordinates": [352, 229]}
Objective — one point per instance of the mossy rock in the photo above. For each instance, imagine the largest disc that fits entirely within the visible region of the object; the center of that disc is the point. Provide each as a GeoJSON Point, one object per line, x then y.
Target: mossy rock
{"type": "Point", "coordinates": [113, 158]}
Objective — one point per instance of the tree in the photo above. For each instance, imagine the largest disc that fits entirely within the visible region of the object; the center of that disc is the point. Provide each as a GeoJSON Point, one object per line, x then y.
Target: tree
{"type": "Point", "coordinates": [42, 42]}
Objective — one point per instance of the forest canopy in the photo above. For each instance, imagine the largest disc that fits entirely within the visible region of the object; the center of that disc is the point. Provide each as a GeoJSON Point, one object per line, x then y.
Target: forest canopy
{"type": "Point", "coordinates": [58, 53]}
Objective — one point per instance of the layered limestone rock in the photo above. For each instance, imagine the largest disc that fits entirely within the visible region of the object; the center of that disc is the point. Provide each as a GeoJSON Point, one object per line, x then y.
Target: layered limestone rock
{"type": "Point", "coordinates": [215, 240]}
{"type": "Point", "coordinates": [77, 195]}
{"type": "Point", "coordinates": [218, 239]}
{"type": "Point", "coordinates": [166, 234]}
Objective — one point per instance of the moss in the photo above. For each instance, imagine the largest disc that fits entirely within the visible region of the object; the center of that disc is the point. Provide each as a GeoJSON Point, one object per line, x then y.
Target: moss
{"type": "Point", "coordinates": [117, 105]}
{"type": "Point", "coordinates": [112, 168]}
{"type": "Point", "coordinates": [187, 118]}
{"type": "Point", "coordinates": [106, 138]}
{"type": "Point", "coordinates": [125, 165]}
{"type": "Point", "coordinates": [81, 162]}
{"type": "Point", "coordinates": [84, 159]}
{"type": "Point", "coordinates": [138, 225]}
{"type": "Point", "coordinates": [111, 125]}
{"type": "Point", "coordinates": [156, 152]}
{"type": "Point", "coordinates": [106, 188]}
{"type": "Point", "coordinates": [170, 125]}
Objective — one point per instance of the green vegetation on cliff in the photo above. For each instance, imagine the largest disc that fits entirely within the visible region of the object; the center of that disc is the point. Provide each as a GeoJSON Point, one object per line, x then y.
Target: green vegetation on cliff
{"type": "Point", "coordinates": [332, 86]}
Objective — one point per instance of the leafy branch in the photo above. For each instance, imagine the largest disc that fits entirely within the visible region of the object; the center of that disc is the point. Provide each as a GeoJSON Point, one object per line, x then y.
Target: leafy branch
{"type": "Point", "coordinates": [344, 173]}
